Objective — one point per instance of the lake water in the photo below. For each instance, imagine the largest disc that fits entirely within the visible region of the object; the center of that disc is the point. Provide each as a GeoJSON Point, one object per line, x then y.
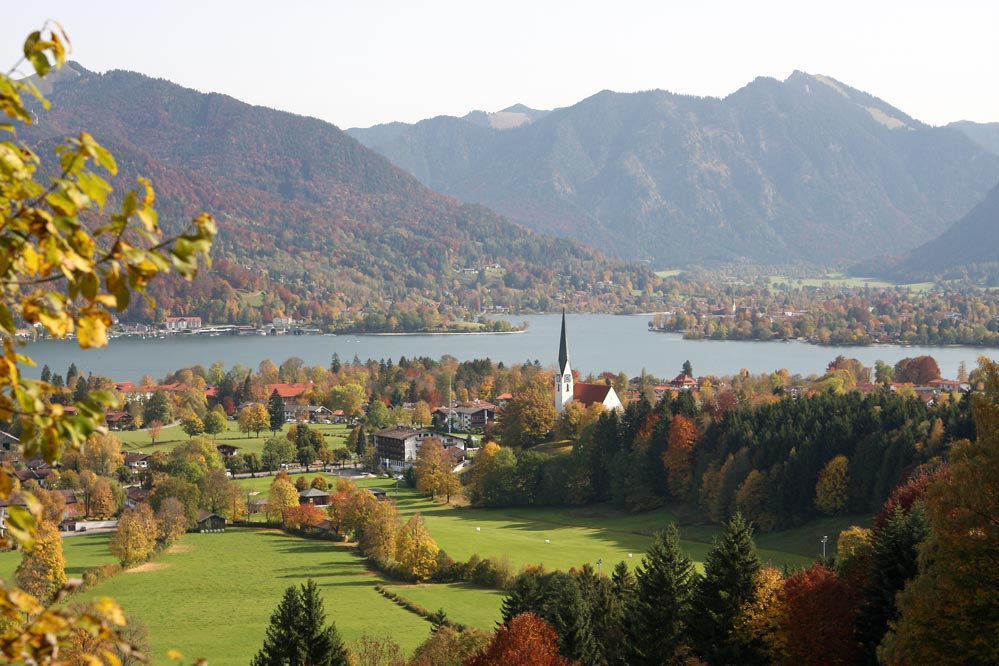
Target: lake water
{"type": "Point", "coordinates": [596, 343]}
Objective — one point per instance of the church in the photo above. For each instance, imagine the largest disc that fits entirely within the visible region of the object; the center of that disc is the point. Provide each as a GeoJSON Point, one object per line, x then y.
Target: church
{"type": "Point", "coordinates": [567, 390]}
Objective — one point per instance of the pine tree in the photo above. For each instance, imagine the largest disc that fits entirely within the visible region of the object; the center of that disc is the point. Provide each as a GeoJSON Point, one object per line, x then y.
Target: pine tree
{"type": "Point", "coordinates": [275, 408]}
{"type": "Point", "coordinates": [728, 583]}
{"type": "Point", "coordinates": [296, 635]}
{"type": "Point", "coordinates": [658, 616]}
{"type": "Point", "coordinates": [894, 562]}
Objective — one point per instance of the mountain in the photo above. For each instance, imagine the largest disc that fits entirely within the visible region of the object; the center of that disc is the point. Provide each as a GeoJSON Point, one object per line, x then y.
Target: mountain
{"type": "Point", "coordinates": [985, 135]}
{"type": "Point", "coordinates": [311, 222]}
{"type": "Point", "coordinates": [969, 248]}
{"type": "Point", "coordinates": [802, 170]}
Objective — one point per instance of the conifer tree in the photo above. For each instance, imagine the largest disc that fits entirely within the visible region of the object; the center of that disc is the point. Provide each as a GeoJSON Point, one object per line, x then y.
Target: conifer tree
{"type": "Point", "coordinates": [297, 636]}
{"type": "Point", "coordinates": [658, 616]}
{"type": "Point", "coordinates": [275, 408]}
{"type": "Point", "coordinates": [728, 583]}
{"type": "Point", "coordinates": [894, 562]}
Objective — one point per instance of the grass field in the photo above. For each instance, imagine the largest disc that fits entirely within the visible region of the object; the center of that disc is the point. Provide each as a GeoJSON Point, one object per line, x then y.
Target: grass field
{"type": "Point", "coordinates": [471, 606]}
{"type": "Point", "coordinates": [170, 436]}
{"type": "Point", "coordinates": [561, 538]}
{"type": "Point", "coordinates": [81, 553]}
{"type": "Point", "coordinates": [212, 595]}
{"type": "Point", "coordinates": [842, 280]}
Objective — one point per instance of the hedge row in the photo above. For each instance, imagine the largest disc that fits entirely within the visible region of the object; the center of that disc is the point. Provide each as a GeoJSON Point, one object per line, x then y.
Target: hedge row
{"type": "Point", "coordinates": [436, 617]}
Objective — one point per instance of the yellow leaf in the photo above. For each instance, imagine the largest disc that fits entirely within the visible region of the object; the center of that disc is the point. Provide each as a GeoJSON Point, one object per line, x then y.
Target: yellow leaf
{"type": "Point", "coordinates": [174, 654]}
{"type": "Point", "coordinates": [93, 329]}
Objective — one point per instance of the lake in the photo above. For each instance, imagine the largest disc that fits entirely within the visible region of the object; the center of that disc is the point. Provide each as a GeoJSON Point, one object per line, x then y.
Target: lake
{"type": "Point", "coordinates": [596, 343]}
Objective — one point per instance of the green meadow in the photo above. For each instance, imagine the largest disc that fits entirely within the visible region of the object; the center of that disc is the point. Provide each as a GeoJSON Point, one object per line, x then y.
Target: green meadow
{"type": "Point", "coordinates": [212, 594]}
{"type": "Point", "coordinates": [81, 552]}
{"type": "Point", "coordinates": [843, 280]}
{"type": "Point", "coordinates": [335, 436]}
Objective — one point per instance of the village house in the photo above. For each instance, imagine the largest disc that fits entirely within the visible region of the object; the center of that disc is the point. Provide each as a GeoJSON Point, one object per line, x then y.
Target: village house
{"type": "Point", "coordinates": [226, 450]}
{"type": "Point", "coordinates": [296, 407]}
{"type": "Point", "coordinates": [10, 446]}
{"type": "Point", "coordinates": [399, 445]}
{"type": "Point", "coordinates": [683, 382]}
{"type": "Point", "coordinates": [137, 461]}
{"type": "Point", "coordinates": [182, 323]}
{"type": "Point", "coordinates": [314, 496]}
{"type": "Point", "coordinates": [210, 522]}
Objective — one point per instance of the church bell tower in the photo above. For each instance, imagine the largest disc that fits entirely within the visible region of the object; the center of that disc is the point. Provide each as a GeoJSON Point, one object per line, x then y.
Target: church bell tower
{"type": "Point", "coordinates": [563, 378]}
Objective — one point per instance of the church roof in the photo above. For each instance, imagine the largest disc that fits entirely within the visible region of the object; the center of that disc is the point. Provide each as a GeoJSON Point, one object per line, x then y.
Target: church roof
{"type": "Point", "coordinates": [587, 394]}
{"type": "Point", "coordinates": [563, 349]}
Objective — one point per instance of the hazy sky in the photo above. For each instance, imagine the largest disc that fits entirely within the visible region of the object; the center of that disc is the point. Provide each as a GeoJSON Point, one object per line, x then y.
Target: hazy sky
{"type": "Point", "coordinates": [362, 63]}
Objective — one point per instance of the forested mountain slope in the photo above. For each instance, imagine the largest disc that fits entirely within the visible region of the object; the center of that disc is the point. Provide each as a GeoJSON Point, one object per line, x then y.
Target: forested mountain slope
{"type": "Point", "coordinates": [311, 221]}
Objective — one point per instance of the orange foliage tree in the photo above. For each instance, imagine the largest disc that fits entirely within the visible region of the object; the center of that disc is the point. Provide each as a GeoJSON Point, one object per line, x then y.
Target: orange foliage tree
{"type": "Point", "coordinates": [816, 626]}
{"type": "Point", "coordinates": [678, 458]}
{"type": "Point", "coordinates": [526, 641]}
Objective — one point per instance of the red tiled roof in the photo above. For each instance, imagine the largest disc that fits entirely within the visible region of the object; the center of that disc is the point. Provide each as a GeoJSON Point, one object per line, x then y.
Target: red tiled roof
{"type": "Point", "coordinates": [289, 390]}
{"type": "Point", "coordinates": [588, 394]}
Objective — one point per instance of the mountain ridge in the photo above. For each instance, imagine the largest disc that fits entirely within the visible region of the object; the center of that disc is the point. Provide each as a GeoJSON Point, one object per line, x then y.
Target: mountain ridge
{"type": "Point", "coordinates": [776, 172]}
{"type": "Point", "coordinates": [309, 217]}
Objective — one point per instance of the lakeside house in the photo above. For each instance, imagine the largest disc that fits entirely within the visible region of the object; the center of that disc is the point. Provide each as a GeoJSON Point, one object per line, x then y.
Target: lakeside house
{"type": "Point", "coordinates": [182, 323]}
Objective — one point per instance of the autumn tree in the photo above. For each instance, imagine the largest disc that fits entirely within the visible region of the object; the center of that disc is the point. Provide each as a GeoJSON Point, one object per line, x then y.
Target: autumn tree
{"type": "Point", "coordinates": [102, 501]}
{"type": "Point", "coordinates": [421, 413]}
{"type": "Point", "coordinates": [282, 496]}
{"type": "Point", "coordinates": [526, 640]}
{"type": "Point", "coordinates": [192, 424]}
{"type": "Point", "coordinates": [832, 488]}
{"type": "Point", "coordinates": [751, 501]}
{"type": "Point", "coordinates": [171, 521]}
{"type": "Point", "coordinates": [757, 626]}
{"type": "Point", "coordinates": [957, 562]}
{"type": "Point", "coordinates": [102, 455]}
{"type": "Point", "coordinates": [448, 646]}
{"type": "Point", "coordinates": [415, 550]}
{"type": "Point", "coordinates": [303, 516]}
{"type": "Point", "coordinates": [135, 538]}
{"type": "Point", "coordinates": [530, 416]}
{"type": "Point", "coordinates": [920, 370]}
{"type": "Point", "coordinates": [816, 626]}
{"type": "Point", "coordinates": [678, 458]}
{"type": "Point", "coordinates": [154, 428]}
{"type": "Point", "coordinates": [52, 501]}
{"type": "Point", "coordinates": [253, 418]}
{"type": "Point", "coordinates": [298, 635]}
{"type": "Point", "coordinates": [379, 530]}
{"type": "Point", "coordinates": [68, 258]}
{"type": "Point", "coordinates": [434, 474]}
{"type": "Point", "coordinates": [42, 570]}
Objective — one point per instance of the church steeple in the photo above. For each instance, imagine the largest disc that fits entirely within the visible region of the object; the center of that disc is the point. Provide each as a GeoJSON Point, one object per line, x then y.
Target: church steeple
{"type": "Point", "coordinates": [563, 380]}
{"type": "Point", "coordinates": [563, 349]}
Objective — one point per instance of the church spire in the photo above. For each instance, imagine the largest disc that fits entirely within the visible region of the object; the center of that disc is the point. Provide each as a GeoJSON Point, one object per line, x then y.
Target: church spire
{"type": "Point", "coordinates": [563, 349]}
